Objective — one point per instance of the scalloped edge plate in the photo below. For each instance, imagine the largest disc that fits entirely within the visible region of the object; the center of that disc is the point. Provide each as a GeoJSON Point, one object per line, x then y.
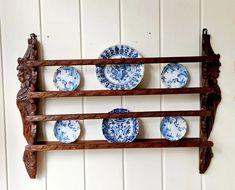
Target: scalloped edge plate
{"type": "Point", "coordinates": [113, 130]}
{"type": "Point", "coordinates": [133, 73]}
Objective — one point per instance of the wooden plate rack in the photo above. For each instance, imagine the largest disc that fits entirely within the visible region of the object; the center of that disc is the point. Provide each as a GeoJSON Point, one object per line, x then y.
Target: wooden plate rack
{"type": "Point", "coordinates": [210, 97]}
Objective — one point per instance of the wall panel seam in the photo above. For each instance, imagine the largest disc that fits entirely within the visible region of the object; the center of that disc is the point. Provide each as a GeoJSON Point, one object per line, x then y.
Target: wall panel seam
{"type": "Point", "coordinates": [3, 109]}
{"type": "Point", "coordinates": [202, 179]}
{"type": "Point", "coordinates": [42, 82]}
{"type": "Point", "coordinates": [122, 101]}
{"type": "Point", "coordinates": [81, 56]}
{"type": "Point", "coordinates": [160, 54]}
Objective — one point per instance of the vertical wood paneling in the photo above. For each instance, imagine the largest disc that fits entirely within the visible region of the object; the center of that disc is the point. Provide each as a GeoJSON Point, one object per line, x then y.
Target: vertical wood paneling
{"type": "Point", "coordinates": [100, 30]}
{"type": "Point", "coordinates": [61, 39]}
{"type": "Point", "coordinates": [105, 23]}
{"type": "Point", "coordinates": [3, 166]}
{"type": "Point", "coordinates": [180, 36]}
{"type": "Point", "coordinates": [17, 24]}
{"type": "Point", "coordinates": [140, 30]}
{"type": "Point", "coordinates": [220, 21]}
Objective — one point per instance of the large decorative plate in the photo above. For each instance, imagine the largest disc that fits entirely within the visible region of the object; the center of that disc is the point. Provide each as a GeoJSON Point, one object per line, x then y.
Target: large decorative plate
{"type": "Point", "coordinates": [121, 76]}
{"type": "Point", "coordinates": [66, 78]}
{"type": "Point", "coordinates": [67, 131]}
{"type": "Point", "coordinates": [174, 75]}
{"type": "Point", "coordinates": [122, 130]}
{"type": "Point", "coordinates": [173, 128]}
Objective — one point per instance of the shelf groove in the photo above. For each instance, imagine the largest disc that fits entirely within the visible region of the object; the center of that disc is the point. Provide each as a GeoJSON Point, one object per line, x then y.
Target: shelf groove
{"type": "Point", "coordinates": [103, 144]}
{"type": "Point", "coordinates": [34, 118]}
{"type": "Point", "coordinates": [153, 91]}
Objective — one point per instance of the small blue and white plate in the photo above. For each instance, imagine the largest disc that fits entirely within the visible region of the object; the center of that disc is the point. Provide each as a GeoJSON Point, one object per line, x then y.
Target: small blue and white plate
{"type": "Point", "coordinates": [173, 128]}
{"type": "Point", "coordinates": [66, 78]}
{"type": "Point", "coordinates": [123, 130]}
{"type": "Point", "coordinates": [174, 75]}
{"type": "Point", "coordinates": [122, 76]}
{"type": "Point", "coordinates": [67, 131]}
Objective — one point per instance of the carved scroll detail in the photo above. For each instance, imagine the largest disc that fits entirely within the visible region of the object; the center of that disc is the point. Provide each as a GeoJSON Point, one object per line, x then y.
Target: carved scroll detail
{"type": "Point", "coordinates": [30, 161]}
{"type": "Point", "coordinates": [210, 73]}
{"type": "Point", "coordinates": [28, 78]}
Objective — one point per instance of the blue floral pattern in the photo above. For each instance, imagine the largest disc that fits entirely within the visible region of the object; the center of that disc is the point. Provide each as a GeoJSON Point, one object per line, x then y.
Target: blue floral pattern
{"type": "Point", "coordinates": [66, 78]}
{"type": "Point", "coordinates": [122, 130]}
{"type": "Point", "coordinates": [173, 128]}
{"type": "Point", "coordinates": [123, 76]}
{"type": "Point", "coordinates": [67, 131]}
{"type": "Point", "coordinates": [174, 75]}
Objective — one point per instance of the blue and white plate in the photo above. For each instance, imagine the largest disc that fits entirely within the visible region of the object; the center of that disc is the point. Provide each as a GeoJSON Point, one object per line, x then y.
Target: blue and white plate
{"type": "Point", "coordinates": [173, 128]}
{"type": "Point", "coordinates": [66, 78]}
{"type": "Point", "coordinates": [122, 76]}
{"type": "Point", "coordinates": [67, 131]}
{"type": "Point", "coordinates": [123, 130]}
{"type": "Point", "coordinates": [174, 75]}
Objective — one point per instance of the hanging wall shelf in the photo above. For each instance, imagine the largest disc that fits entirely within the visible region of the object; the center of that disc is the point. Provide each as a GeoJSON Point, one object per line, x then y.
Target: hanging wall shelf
{"type": "Point", "coordinates": [28, 95]}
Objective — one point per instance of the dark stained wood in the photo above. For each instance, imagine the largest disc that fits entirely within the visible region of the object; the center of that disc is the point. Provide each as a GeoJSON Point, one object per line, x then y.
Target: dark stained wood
{"type": "Point", "coordinates": [28, 78]}
{"type": "Point", "coordinates": [30, 161]}
{"type": "Point", "coordinates": [205, 156]}
{"type": "Point", "coordinates": [210, 74]}
{"type": "Point", "coordinates": [116, 115]}
{"type": "Point", "coordinates": [102, 144]}
{"type": "Point", "coordinates": [39, 63]}
{"type": "Point", "coordinates": [56, 94]}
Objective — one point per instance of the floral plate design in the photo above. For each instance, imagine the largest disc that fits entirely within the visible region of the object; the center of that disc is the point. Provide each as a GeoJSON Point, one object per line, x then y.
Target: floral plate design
{"type": "Point", "coordinates": [122, 130]}
{"type": "Point", "coordinates": [66, 78]}
{"type": "Point", "coordinates": [121, 76]}
{"type": "Point", "coordinates": [67, 131]}
{"type": "Point", "coordinates": [174, 75]}
{"type": "Point", "coordinates": [173, 128]}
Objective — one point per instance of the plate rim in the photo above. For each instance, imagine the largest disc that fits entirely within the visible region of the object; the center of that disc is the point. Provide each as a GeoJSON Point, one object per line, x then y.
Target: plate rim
{"type": "Point", "coordinates": [133, 118]}
{"type": "Point", "coordinates": [77, 135]}
{"type": "Point", "coordinates": [62, 67]}
{"type": "Point", "coordinates": [119, 87]}
{"type": "Point", "coordinates": [182, 66]}
{"type": "Point", "coordinates": [182, 118]}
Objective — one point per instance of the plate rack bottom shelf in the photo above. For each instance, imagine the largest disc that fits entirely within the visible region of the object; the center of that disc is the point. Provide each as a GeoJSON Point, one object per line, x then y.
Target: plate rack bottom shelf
{"type": "Point", "coordinates": [30, 153]}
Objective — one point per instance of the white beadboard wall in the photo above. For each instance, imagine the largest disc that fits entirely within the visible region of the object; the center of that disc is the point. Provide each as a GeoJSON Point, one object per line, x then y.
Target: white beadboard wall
{"type": "Point", "coordinates": [83, 29]}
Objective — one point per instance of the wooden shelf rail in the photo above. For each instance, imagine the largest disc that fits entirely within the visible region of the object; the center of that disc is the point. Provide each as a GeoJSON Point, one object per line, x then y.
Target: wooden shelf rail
{"type": "Point", "coordinates": [56, 94]}
{"type": "Point", "coordinates": [150, 60]}
{"type": "Point", "coordinates": [103, 144]}
{"type": "Point", "coordinates": [33, 118]}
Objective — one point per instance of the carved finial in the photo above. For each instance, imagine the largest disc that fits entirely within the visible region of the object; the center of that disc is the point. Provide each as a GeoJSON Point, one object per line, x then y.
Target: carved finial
{"type": "Point", "coordinates": [205, 158]}
{"type": "Point", "coordinates": [30, 161]}
{"type": "Point", "coordinates": [32, 53]}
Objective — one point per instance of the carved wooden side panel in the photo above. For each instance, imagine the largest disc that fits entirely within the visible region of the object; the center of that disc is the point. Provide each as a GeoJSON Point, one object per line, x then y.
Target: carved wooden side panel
{"type": "Point", "coordinates": [28, 78]}
{"type": "Point", "coordinates": [209, 101]}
